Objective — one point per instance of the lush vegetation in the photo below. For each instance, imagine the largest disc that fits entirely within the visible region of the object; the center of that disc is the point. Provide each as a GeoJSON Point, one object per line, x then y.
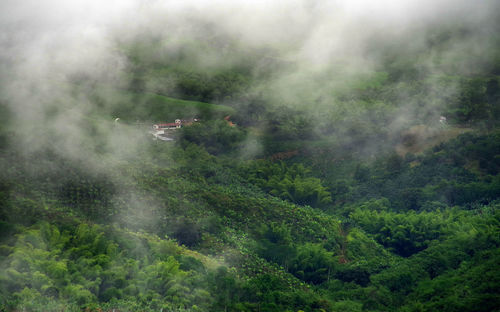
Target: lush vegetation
{"type": "Point", "coordinates": [286, 209]}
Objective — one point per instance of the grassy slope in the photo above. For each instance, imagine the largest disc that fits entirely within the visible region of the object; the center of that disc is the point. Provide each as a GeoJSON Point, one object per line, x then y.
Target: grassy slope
{"type": "Point", "coordinates": [131, 107]}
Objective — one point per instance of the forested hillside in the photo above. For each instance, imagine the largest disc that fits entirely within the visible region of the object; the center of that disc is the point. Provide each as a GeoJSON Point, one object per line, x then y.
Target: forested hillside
{"type": "Point", "coordinates": [343, 158]}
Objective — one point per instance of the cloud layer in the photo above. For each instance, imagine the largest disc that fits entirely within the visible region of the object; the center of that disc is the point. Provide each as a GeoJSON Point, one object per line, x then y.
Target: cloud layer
{"type": "Point", "coordinates": [47, 45]}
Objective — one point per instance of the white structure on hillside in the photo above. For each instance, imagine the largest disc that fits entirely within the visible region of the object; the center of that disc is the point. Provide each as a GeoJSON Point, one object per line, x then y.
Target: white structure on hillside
{"type": "Point", "coordinates": [161, 130]}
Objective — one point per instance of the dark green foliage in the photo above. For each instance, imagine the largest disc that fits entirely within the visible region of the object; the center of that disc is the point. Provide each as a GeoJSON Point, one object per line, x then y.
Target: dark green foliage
{"type": "Point", "coordinates": [191, 227]}
{"type": "Point", "coordinates": [187, 233]}
{"type": "Point", "coordinates": [399, 245]}
{"type": "Point", "coordinates": [293, 183]}
{"type": "Point", "coordinates": [478, 101]}
{"type": "Point", "coordinates": [276, 244]}
{"type": "Point", "coordinates": [312, 263]}
{"type": "Point", "coordinates": [404, 234]}
{"type": "Point", "coordinates": [218, 137]}
{"type": "Point", "coordinates": [92, 195]}
{"type": "Point", "coordinates": [471, 287]}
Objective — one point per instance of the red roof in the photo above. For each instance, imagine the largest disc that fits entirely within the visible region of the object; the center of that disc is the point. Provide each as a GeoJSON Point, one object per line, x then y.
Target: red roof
{"type": "Point", "coordinates": [171, 124]}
